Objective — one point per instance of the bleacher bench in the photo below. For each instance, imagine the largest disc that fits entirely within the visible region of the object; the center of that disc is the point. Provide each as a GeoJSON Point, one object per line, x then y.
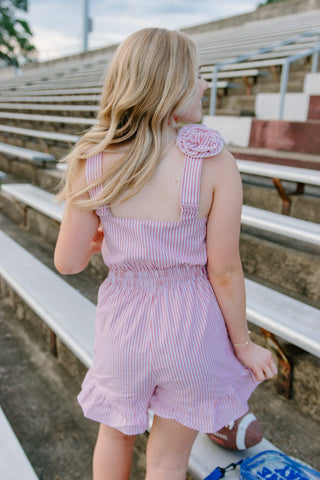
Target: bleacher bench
{"type": "Point", "coordinates": [279, 173]}
{"type": "Point", "coordinates": [291, 174]}
{"type": "Point", "coordinates": [285, 320]}
{"type": "Point", "coordinates": [64, 84]}
{"type": "Point", "coordinates": [48, 118]}
{"type": "Point", "coordinates": [278, 224]}
{"type": "Point", "coordinates": [289, 227]}
{"type": "Point", "coordinates": [25, 154]}
{"type": "Point", "coordinates": [21, 97]}
{"type": "Point", "coordinates": [250, 72]}
{"type": "Point", "coordinates": [295, 332]}
{"type": "Point", "coordinates": [33, 106]}
{"type": "Point", "coordinates": [3, 177]}
{"type": "Point", "coordinates": [266, 308]}
{"type": "Point", "coordinates": [66, 91]}
{"type": "Point", "coordinates": [224, 84]}
{"type": "Point", "coordinates": [72, 320]}
{"type": "Point", "coordinates": [39, 287]}
{"type": "Point", "coordinates": [57, 136]}
{"type": "Point", "coordinates": [14, 464]}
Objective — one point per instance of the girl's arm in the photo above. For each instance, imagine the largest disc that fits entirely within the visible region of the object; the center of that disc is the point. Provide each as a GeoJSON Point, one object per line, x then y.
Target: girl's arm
{"type": "Point", "coordinates": [224, 264]}
{"type": "Point", "coordinates": [79, 237]}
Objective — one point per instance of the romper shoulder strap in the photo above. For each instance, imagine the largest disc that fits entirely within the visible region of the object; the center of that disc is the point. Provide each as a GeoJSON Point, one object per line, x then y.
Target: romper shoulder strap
{"type": "Point", "coordinates": [196, 142]}
{"type": "Point", "coordinates": [94, 171]}
{"type": "Point", "coordinates": [190, 189]}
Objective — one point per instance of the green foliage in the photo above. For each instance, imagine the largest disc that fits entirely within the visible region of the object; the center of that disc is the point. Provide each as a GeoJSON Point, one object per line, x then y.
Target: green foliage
{"type": "Point", "coordinates": [266, 2]}
{"type": "Point", "coordinates": [15, 33]}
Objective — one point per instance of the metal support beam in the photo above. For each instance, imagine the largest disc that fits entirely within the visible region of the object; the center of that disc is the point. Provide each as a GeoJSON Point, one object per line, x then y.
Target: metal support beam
{"type": "Point", "coordinates": [315, 58]}
{"type": "Point", "coordinates": [85, 25]}
{"type": "Point", "coordinates": [315, 62]}
{"type": "Point", "coordinates": [286, 203]}
{"type": "Point", "coordinates": [53, 343]}
{"type": "Point", "coordinates": [284, 378]}
{"type": "Point", "coordinates": [283, 87]}
{"type": "Point", "coordinates": [214, 89]}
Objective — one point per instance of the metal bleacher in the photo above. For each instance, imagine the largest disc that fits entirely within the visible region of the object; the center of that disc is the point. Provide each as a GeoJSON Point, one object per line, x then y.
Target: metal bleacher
{"type": "Point", "coordinates": [221, 45]}
{"type": "Point", "coordinates": [29, 106]}
{"type": "Point", "coordinates": [213, 47]}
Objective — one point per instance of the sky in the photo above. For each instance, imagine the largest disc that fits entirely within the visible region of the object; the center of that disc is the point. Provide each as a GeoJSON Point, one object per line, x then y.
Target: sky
{"type": "Point", "coordinates": [57, 24]}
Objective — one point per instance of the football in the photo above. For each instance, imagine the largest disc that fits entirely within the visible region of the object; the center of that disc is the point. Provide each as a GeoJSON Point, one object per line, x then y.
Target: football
{"type": "Point", "coordinates": [245, 432]}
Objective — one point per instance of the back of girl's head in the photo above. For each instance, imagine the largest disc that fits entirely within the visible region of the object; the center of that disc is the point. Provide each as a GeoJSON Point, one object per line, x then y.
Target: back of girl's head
{"type": "Point", "coordinates": [152, 75]}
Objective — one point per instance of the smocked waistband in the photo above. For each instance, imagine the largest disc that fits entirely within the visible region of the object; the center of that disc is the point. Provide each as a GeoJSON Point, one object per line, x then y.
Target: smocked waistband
{"type": "Point", "coordinates": [157, 277]}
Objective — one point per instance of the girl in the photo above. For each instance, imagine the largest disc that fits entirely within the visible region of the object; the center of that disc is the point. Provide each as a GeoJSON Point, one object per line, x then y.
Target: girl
{"type": "Point", "coordinates": [164, 209]}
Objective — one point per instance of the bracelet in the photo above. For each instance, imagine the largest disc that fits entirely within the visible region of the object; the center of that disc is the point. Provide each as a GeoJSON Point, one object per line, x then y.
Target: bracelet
{"type": "Point", "coordinates": [242, 344]}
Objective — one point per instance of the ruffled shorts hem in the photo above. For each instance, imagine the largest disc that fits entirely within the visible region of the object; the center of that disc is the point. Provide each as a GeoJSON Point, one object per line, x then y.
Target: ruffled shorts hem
{"type": "Point", "coordinates": [206, 418]}
{"type": "Point", "coordinates": [105, 419]}
{"type": "Point", "coordinates": [211, 416]}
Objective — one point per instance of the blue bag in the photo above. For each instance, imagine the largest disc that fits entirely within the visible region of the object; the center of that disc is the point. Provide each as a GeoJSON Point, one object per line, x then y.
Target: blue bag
{"type": "Point", "coordinates": [268, 465]}
{"type": "Point", "coordinates": [272, 465]}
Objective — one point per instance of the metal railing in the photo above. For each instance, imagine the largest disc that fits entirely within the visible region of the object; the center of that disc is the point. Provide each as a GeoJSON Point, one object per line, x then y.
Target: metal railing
{"type": "Point", "coordinates": [285, 73]}
{"type": "Point", "coordinates": [285, 66]}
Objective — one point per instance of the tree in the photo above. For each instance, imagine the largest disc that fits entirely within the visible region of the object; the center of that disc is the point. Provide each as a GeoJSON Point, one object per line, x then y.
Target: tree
{"type": "Point", "coordinates": [266, 2]}
{"type": "Point", "coordinates": [15, 33]}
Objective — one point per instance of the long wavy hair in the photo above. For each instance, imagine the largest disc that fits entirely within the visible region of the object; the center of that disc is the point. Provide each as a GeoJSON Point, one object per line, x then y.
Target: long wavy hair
{"type": "Point", "coordinates": [152, 76]}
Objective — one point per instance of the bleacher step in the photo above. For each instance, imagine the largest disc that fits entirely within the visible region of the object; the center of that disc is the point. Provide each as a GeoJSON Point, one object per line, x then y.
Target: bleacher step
{"type": "Point", "coordinates": [31, 280]}
{"type": "Point", "coordinates": [278, 157]}
{"type": "Point", "coordinates": [67, 439]}
{"type": "Point", "coordinates": [205, 456]}
{"type": "Point", "coordinates": [14, 463]}
{"type": "Point", "coordinates": [286, 135]}
{"type": "Point", "coordinates": [287, 441]}
{"type": "Point", "coordinates": [205, 462]}
{"type": "Point", "coordinates": [301, 230]}
{"type": "Point", "coordinates": [277, 239]}
{"type": "Point", "coordinates": [72, 321]}
{"type": "Point", "coordinates": [200, 461]}
{"type": "Point", "coordinates": [314, 107]}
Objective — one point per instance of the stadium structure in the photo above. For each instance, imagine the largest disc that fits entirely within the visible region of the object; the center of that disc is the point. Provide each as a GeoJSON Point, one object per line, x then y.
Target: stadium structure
{"type": "Point", "coordinates": [264, 97]}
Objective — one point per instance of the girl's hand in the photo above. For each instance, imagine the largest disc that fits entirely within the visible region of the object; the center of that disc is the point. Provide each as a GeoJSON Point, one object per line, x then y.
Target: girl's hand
{"type": "Point", "coordinates": [96, 242]}
{"type": "Point", "coordinates": [257, 358]}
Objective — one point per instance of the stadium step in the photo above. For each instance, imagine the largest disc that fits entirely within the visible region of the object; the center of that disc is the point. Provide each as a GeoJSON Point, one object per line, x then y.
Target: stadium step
{"type": "Point", "coordinates": [281, 135]}
{"type": "Point", "coordinates": [288, 442]}
{"type": "Point", "coordinates": [71, 319]}
{"type": "Point", "coordinates": [286, 267]}
{"type": "Point", "coordinates": [261, 257]}
{"type": "Point", "coordinates": [280, 157]}
{"type": "Point", "coordinates": [38, 396]}
{"type": "Point", "coordinates": [314, 107]}
{"type": "Point", "coordinates": [259, 193]}
{"type": "Point", "coordinates": [13, 460]}
{"type": "Point", "coordinates": [35, 209]}
{"type": "Point", "coordinates": [286, 135]}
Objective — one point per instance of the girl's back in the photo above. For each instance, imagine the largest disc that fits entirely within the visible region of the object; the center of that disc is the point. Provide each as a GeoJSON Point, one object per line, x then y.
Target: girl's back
{"type": "Point", "coordinates": [159, 199]}
{"type": "Point", "coordinates": [164, 224]}
{"type": "Point", "coordinates": [171, 313]}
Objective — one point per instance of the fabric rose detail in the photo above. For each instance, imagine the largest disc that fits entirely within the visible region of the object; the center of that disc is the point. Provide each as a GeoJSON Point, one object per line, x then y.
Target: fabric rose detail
{"type": "Point", "coordinates": [199, 141]}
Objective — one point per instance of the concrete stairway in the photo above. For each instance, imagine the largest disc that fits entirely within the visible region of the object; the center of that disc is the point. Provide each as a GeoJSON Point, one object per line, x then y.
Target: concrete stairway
{"type": "Point", "coordinates": [286, 266]}
{"type": "Point", "coordinates": [294, 141]}
{"type": "Point", "coordinates": [303, 406]}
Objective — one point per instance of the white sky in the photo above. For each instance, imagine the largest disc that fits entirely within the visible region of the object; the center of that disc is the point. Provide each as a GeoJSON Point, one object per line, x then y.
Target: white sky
{"type": "Point", "coordinates": [57, 24]}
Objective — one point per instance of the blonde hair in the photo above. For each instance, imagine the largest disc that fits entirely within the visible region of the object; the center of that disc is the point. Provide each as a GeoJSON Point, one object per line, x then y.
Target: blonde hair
{"type": "Point", "coordinates": [151, 77]}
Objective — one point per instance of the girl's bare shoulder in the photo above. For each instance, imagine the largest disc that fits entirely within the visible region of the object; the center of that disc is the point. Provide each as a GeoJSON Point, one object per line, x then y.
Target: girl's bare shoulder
{"type": "Point", "coordinates": [219, 168]}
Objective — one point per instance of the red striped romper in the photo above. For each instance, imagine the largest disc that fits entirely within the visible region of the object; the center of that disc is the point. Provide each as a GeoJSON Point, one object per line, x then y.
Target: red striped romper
{"type": "Point", "coordinates": [160, 338]}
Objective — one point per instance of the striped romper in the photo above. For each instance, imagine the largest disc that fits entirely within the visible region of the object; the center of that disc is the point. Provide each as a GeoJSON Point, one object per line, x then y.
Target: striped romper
{"type": "Point", "coordinates": [160, 338]}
